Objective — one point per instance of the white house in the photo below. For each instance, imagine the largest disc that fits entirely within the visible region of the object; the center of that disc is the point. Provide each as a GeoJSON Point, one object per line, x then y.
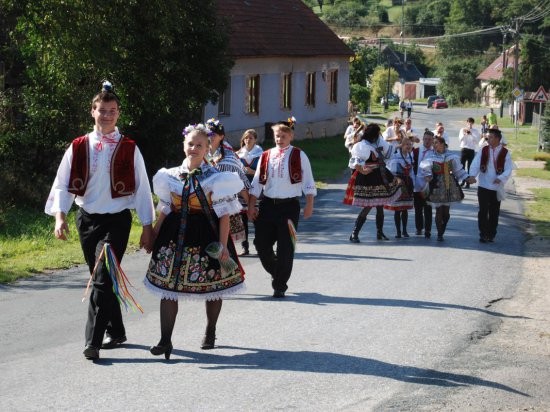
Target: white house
{"type": "Point", "coordinates": [287, 63]}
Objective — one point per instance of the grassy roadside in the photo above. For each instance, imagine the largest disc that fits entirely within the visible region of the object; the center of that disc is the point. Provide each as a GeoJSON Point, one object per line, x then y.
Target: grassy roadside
{"type": "Point", "coordinates": [28, 246]}
{"type": "Point", "coordinates": [525, 148]}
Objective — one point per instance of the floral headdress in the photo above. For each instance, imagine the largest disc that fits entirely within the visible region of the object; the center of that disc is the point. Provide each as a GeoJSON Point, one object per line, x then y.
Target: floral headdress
{"type": "Point", "coordinates": [215, 126]}
{"type": "Point", "coordinates": [290, 122]}
{"type": "Point", "coordinates": [199, 127]}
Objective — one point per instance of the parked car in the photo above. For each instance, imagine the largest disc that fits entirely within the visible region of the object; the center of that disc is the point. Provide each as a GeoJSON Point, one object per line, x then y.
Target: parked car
{"type": "Point", "coordinates": [432, 99]}
{"type": "Point", "coordinates": [440, 104]}
{"type": "Point", "coordinates": [393, 99]}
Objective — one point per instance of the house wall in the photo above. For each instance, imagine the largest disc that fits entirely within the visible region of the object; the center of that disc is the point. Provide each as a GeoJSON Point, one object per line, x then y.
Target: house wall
{"type": "Point", "coordinates": [325, 119]}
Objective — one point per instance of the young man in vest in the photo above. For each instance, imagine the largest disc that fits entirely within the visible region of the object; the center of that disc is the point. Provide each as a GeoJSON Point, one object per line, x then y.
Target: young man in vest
{"type": "Point", "coordinates": [104, 173]}
{"type": "Point", "coordinates": [493, 166]}
{"type": "Point", "coordinates": [284, 173]}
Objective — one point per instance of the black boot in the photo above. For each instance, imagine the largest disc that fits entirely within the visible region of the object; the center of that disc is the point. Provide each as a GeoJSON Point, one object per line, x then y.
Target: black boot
{"type": "Point", "coordinates": [439, 225]}
{"type": "Point", "coordinates": [354, 237]}
{"type": "Point", "coordinates": [397, 220]}
{"type": "Point", "coordinates": [404, 221]}
{"type": "Point", "coordinates": [379, 226]}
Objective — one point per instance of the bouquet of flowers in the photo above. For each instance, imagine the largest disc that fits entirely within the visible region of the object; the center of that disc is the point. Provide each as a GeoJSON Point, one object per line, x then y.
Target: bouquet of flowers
{"type": "Point", "coordinates": [227, 266]}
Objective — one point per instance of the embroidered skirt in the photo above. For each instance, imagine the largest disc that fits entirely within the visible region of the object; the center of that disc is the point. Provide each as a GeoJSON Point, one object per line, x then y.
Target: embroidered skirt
{"type": "Point", "coordinates": [405, 201]}
{"type": "Point", "coordinates": [199, 275]}
{"type": "Point", "coordinates": [370, 190]}
{"type": "Point", "coordinates": [444, 191]}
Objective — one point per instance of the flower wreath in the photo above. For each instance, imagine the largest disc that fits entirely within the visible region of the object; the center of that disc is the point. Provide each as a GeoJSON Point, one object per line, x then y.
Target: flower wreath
{"type": "Point", "coordinates": [199, 127]}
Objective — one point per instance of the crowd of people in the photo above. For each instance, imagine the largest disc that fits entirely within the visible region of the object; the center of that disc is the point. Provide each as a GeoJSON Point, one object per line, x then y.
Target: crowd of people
{"type": "Point", "coordinates": [206, 203]}
{"type": "Point", "coordinates": [389, 173]}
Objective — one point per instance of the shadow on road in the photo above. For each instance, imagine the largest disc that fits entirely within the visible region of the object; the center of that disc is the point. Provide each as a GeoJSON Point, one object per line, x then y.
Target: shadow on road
{"type": "Point", "coordinates": [319, 362]}
{"type": "Point", "coordinates": [319, 299]}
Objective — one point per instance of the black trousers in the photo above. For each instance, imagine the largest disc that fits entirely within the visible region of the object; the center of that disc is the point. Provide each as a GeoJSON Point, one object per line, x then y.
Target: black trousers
{"type": "Point", "coordinates": [489, 210]}
{"type": "Point", "coordinates": [422, 213]}
{"type": "Point", "coordinates": [104, 314]}
{"type": "Point", "coordinates": [272, 227]}
{"type": "Point", "coordinates": [467, 156]}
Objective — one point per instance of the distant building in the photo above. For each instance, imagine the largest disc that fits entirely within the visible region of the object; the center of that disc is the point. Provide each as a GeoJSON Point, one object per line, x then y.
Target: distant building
{"type": "Point", "coordinates": [494, 72]}
{"type": "Point", "coordinates": [408, 86]}
{"type": "Point", "coordinates": [287, 63]}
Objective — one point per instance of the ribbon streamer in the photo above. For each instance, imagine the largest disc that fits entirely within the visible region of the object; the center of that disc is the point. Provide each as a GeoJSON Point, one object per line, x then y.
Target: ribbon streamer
{"type": "Point", "coordinates": [293, 234]}
{"type": "Point", "coordinates": [118, 277]}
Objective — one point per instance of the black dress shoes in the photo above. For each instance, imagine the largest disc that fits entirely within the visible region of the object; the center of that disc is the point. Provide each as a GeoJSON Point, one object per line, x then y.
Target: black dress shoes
{"type": "Point", "coordinates": [91, 352]}
{"type": "Point", "coordinates": [278, 294]}
{"type": "Point", "coordinates": [165, 350]}
{"type": "Point", "coordinates": [109, 342]}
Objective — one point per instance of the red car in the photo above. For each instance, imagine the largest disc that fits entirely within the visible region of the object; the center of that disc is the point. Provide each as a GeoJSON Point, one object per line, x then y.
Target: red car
{"type": "Point", "coordinates": [440, 104]}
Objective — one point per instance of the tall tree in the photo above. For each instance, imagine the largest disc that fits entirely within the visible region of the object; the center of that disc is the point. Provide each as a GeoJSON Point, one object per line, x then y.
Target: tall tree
{"type": "Point", "coordinates": [166, 58]}
{"type": "Point", "coordinates": [380, 80]}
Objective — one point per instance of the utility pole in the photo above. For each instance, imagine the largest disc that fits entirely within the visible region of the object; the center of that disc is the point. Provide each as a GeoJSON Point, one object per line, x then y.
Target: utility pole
{"type": "Point", "coordinates": [402, 34]}
{"type": "Point", "coordinates": [516, 53]}
{"type": "Point", "coordinates": [388, 86]}
{"type": "Point", "coordinates": [504, 33]}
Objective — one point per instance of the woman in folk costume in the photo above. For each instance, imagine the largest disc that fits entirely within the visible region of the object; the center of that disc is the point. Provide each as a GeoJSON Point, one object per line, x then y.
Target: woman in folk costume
{"type": "Point", "coordinates": [222, 157]}
{"type": "Point", "coordinates": [249, 153]}
{"type": "Point", "coordinates": [193, 255]}
{"type": "Point", "coordinates": [402, 165]}
{"type": "Point", "coordinates": [442, 169]}
{"type": "Point", "coordinates": [371, 184]}
{"type": "Point", "coordinates": [283, 175]}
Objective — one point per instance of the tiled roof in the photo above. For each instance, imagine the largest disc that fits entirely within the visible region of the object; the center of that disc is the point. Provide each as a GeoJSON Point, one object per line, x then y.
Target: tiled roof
{"type": "Point", "coordinates": [407, 71]}
{"type": "Point", "coordinates": [264, 28]}
{"type": "Point", "coordinates": [494, 70]}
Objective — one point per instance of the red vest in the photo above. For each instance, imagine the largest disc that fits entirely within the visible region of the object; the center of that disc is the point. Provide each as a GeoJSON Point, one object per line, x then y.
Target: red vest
{"type": "Point", "coordinates": [123, 180]}
{"type": "Point", "coordinates": [295, 164]}
{"type": "Point", "coordinates": [501, 158]}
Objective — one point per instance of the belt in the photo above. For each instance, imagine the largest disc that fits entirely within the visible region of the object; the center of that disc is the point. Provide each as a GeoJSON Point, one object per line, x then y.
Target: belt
{"type": "Point", "coordinates": [276, 201]}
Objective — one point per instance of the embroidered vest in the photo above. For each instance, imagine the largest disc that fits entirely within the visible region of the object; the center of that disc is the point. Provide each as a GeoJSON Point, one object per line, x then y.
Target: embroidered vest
{"type": "Point", "coordinates": [501, 158]}
{"type": "Point", "coordinates": [295, 165]}
{"type": "Point", "coordinates": [123, 181]}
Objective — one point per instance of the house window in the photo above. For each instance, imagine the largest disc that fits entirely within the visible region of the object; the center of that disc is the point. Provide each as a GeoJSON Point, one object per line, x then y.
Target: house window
{"type": "Point", "coordinates": [253, 94]}
{"type": "Point", "coordinates": [286, 89]}
{"type": "Point", "coordinates": [333, 86]}
{"type": "Point", "coordinates": [224, 102]}
{"type": "Point", "coordinates": [310, 89]}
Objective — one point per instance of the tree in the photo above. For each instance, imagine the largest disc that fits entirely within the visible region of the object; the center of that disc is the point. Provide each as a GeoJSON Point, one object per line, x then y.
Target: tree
{"type": "Point", "coordinates": [458, 79]}
{"type": "Point", "coordinates": [379, 82]}
{"type": "Point", "coordinates": [363, 63]}
{"type": "Point", "coordinates": [166, 58]}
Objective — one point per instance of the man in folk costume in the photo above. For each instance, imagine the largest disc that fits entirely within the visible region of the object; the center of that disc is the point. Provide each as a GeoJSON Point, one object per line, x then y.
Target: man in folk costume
{"type": "Point", "coordinates": [493, 167]}
{"type": "Point", "coordinates": [104, 173]}
{"type": "Point", "coordinates": [284, 173]}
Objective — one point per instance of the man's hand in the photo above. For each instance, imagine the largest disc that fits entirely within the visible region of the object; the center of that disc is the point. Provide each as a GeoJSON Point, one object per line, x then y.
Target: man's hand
{"type": "Point", "coordinates": [252, 213]}
{"type": "Point", "coordinates": [147, 238]}
{"type": "Point", "coordinates": [61, 229]}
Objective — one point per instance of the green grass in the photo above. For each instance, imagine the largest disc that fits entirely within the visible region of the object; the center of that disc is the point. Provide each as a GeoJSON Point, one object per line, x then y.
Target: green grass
{"type": "Point", "coordinates": [28, 246]}
{"type": "Point", "coordinates": [537, 211]}
{"type": "Point", "coordinates": [525, 146]}
{"type": "Point", "coordinates": [328, 156]}
{"type": "Point", "coordinates": [536, 173]}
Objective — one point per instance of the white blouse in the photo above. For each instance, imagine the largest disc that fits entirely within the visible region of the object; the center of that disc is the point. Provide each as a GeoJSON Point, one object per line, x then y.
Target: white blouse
{"type": "Point", "coordinates": [249, 156]}
{"type": "Point", "coordinates": [223, 186]}
{"type": "Point", "coordinates": [362, 150]}
{"type": "Point", "coordinates": [425, 167]}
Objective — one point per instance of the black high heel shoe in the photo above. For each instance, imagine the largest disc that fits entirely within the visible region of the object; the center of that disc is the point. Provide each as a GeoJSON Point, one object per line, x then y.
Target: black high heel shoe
{"type": "Point", "coordinates": [381, 236]}
{"type": "Point", "coordinates": [209, 340]}
{"type": "Point", "coordinates": [162, 349]}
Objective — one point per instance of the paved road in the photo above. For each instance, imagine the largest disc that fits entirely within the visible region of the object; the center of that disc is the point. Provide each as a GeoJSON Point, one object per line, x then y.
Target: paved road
{"type": "Point", "coordinates": [369, 326]}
